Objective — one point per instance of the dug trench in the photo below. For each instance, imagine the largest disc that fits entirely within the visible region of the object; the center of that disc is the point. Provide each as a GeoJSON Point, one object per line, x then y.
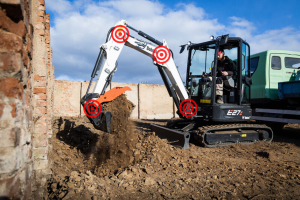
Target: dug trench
{"type": "Point", "coordinates": [134, 163]}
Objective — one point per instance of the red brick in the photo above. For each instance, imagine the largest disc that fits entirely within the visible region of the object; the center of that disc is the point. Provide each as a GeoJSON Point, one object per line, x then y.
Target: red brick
{"type": "Point", "coordinates": [11, 87]}
{"type": "Point", "coordinates": [40, 19]}
{"type": "Point", "coordinates": [7, 24]}
{"type": "Point", "coordinates": [42, 2]}
{"type": "Point", "coordinates": [13, 111]}
{"type": "Point", "coordinates": [39, 78]}
{"type": "Point", "coordinates": [1, 109]}
{"type": "Point", "coordinates": [40, 96]}
{"type": "Point", "coordinates": [27, 98]}
{"type": "Point", "coordinates": [39, 90]}
{"type": "Point", "coordinates": [40, 13]}
{"type": "Point", "coordinates": [40, 32]}
{"type": "Point", "coordinates": [41, 103]}
{"type": "Point", "coordinates": [10, 61]}
{"type": "Point", "coordinates": [10, 42]}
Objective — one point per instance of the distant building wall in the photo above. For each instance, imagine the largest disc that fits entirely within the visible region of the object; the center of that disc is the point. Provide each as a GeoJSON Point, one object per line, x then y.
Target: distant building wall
{"type": "Point", "coordinates": [151, 101]}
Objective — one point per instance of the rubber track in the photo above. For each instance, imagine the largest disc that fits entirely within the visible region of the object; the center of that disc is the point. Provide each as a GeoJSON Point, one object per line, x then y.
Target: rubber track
{"type": "Point", "coordinates": [200, 133]}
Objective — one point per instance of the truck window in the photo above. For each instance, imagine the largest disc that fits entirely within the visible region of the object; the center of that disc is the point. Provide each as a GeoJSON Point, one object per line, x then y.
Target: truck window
{"type": "Point", "coordinates": [292, 62]}
{"type": "Point", "coordinates": [276, 62]}
{"type": "Point", "coordinates": [253, 64]}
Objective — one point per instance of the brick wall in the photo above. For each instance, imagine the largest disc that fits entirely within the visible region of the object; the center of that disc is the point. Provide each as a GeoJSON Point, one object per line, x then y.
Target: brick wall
{"type": "Point", "coordinates": [26, 89]}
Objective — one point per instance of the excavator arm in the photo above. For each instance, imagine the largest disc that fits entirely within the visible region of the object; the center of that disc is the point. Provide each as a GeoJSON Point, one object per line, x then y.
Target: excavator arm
{"type": "Point", "coordinates": [106, 65]}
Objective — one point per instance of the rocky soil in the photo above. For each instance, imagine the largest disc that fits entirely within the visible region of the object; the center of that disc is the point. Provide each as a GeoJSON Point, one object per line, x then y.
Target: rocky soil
{"type": "Point", "coordinates": [134, 163]}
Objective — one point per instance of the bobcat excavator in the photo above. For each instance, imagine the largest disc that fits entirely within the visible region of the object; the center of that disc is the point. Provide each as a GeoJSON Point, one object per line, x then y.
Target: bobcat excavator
{"type": "Point", "coordinates": [201, 119]}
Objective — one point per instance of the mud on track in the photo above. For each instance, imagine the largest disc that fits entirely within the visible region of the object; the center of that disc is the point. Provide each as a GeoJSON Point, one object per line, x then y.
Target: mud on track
{"type": "Point", "coordinates": [136, 164]}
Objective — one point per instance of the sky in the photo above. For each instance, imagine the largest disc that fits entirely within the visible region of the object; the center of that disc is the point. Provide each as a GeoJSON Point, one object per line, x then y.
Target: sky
{"type": "Point", "coordinates": [79, 28]}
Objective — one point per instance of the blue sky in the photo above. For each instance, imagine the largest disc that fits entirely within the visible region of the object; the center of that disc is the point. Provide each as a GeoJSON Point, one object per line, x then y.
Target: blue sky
{"type": "Point", "coordinates": [79, 27]}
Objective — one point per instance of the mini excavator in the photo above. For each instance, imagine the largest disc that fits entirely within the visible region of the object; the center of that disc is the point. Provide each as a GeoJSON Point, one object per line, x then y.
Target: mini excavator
{"type": "Point", "coordinates": [201, 118]}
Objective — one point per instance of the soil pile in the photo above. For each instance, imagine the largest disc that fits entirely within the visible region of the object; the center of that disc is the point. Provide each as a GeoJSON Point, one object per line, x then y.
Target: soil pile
{"type": "Point", "coordinates": [115, 150]}
{"type": "Point", "coordinates": [159, 170]}
{"type": "Point", "coordinates": [79, 147]}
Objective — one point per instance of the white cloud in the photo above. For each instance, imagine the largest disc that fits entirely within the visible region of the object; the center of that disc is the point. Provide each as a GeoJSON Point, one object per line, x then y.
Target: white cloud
{"type": "Point", "coordinates": [287, 38]}
{"type": "Point", "coordinates": [81, 27]}
{"type": "Point", "coordinates": [67, 78]}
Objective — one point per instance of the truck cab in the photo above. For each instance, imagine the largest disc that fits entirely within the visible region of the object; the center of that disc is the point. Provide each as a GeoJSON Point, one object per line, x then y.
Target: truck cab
{"type": "Point", "coordinates": [275, 92]}
{"type": "Point", "coordinates": [269, 68]}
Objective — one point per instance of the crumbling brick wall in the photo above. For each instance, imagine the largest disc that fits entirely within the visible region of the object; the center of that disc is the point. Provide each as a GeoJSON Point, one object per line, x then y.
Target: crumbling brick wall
{"type": "Point", "coordinates": [26, 90]}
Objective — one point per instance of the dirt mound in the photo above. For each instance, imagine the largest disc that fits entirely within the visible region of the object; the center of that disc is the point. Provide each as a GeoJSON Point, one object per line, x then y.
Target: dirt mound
{"type": "Point", "coordinates": [135, 163]}
{"type": "Point", "coordinates": [78, 146]}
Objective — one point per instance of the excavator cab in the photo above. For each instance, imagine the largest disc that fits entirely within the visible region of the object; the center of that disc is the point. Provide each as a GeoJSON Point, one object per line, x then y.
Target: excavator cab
{"type": "Point", "coordinates": [216, 124]}
{"type": "Point", "coordinates": [202, 78]}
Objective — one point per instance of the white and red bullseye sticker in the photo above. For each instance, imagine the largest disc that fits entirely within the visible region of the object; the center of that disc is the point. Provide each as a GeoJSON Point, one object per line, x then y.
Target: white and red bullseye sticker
{"type": "Point", "coordinates": [120, 34]}
{"type": "Point", "coordinates": [161, 54]}
{"type": "Point", "coordinates": [92, 108]}
{"type": "Point", "coordinates": [188, 108]}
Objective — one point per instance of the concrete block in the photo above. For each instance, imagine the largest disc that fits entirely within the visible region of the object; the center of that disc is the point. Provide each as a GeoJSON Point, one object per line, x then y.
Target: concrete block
{"type": "Point", "coordinates": [155, 102]}
{"type": "Point", "coordinates": [67, 98]}
{"type": "Point", "coordinates": [131, 96]}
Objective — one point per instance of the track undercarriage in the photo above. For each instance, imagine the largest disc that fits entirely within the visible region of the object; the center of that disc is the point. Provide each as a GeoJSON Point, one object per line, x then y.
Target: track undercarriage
{"type": "Point", "coordinates": [215, 135]}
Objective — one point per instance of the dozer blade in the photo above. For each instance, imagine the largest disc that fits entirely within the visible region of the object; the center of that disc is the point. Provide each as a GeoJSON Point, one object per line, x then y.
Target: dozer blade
{"type": "Point", "coordinates": [112, 94]}
{"type": "Point", "coordinates": [174, 136]}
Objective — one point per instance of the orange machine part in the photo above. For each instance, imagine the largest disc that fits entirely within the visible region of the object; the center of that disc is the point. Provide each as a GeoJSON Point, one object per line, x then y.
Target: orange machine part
{"type": "Point", "coordinates": [112, 94]}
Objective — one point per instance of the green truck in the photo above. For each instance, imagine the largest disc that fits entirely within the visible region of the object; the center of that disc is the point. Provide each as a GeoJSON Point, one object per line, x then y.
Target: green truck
{"type": "Point", "coordinates": [275, 89]}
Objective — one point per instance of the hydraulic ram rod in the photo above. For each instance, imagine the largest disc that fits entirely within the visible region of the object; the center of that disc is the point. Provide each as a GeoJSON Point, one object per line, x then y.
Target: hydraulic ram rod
{"type": "Point", "coordinates": [148, 37]}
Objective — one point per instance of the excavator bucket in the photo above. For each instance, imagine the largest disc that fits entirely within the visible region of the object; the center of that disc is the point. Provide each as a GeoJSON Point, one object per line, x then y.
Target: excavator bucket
{"type": "Point", "coordinates": [112, 94]}
{"type": "Point", "coordinates": [92, 108]}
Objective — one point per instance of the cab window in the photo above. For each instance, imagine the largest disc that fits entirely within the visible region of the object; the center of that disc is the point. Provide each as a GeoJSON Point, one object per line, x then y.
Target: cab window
{"type": "Point", "coordinates": [276, 62]}
{"type": "Point", "coordinates": [292, 62]}
{"type": "Point", "coordinates": [253, 64]}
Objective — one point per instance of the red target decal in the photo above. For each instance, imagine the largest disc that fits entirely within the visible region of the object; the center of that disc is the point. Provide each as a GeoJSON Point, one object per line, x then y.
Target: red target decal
{"type": "Point", "coordinates": [161, 54]}
{"type": "Point", "coordinates": [120, 34]}
{"type": "Point", "coordinates": [188, 108]}
{"type": "Point", "coordinates": [92, 108]}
